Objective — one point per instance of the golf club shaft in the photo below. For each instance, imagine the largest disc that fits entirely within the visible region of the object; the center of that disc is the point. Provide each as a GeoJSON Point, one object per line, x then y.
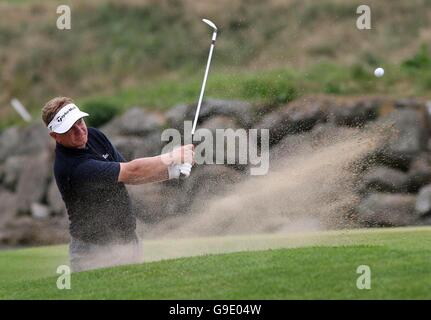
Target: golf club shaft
{"type": "Point", "coordinates": [203, 84]}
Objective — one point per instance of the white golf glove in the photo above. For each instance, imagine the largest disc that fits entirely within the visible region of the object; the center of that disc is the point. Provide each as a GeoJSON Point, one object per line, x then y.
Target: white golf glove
{"type": "Point", "coordinates": [185, 169]}
{"type": "Point", "coordinates": [175, 170]}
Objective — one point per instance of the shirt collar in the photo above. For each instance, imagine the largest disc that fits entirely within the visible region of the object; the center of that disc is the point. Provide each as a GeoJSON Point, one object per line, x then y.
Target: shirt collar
{"type": "Point", "coordinates": [77, 151]}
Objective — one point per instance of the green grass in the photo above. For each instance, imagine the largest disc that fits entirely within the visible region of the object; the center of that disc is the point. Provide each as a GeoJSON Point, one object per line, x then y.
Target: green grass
{"type": "Point", "coordinates": [298, 266]}
{"type": "Point", "coordinates": [266, 52]}
{"type": "Point", "coordinates": [270, 87]}
{"type": "Point", "coordinates": [275, 86]}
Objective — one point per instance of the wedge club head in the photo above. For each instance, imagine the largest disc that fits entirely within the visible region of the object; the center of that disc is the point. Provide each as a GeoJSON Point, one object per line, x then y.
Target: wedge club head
{"type": "Point", "coordinates": [210, 23]}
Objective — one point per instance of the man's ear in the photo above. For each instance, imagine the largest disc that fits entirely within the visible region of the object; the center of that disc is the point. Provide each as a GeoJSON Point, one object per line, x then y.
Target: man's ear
{"type": "Point", "coordinates": [53, 135]}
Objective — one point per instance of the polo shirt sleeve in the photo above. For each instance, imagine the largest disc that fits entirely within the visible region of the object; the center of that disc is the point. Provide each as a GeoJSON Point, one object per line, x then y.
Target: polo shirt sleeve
{"type": "Point", "coordinates": [96, 171]}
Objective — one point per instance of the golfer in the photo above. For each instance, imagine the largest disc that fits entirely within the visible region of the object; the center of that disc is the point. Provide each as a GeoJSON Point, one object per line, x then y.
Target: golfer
{"type": "Point", "coordinates": [91, 175]}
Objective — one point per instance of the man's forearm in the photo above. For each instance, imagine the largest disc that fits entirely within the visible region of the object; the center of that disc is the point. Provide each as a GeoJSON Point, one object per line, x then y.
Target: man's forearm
{"type": "Point", "coordinates": [144, 170]}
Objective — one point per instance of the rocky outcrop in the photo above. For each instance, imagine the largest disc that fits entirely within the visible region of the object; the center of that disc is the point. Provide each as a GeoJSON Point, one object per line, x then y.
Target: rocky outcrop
{"type": "Point", "coordinates": [383, 179]}
{"type": "Point", "coordinates": [393, 184]}
{"type": "Point", "coordinates": [408, 140]}
{"type": "Point", "coordinates": [9, 140]}
{"type": "Point", "coordinates": [355, 113]}
{"type": "Point", "coordinates": [54, 200]}
{"type": "Point", "coordinates": [423, 201]}
{"type": "Point", "coordinates": [419, 173]}
{"type": "Point", "coordinates": [8, 206]}
{"type": "Point", "coordinates": [295, 117]}
{"type": "Point", "coordinates": [241, 112]}
{"type": "Point", "coordinates": [12, 169]}
{"type": "Point", "coordinates": [29, 140]}
{"type": "Point", "coordinates": [135, 122]}
{"type": "Point", "coordinates": [31, 231]}
{"type": "Point", "coordinates": [387, 210]}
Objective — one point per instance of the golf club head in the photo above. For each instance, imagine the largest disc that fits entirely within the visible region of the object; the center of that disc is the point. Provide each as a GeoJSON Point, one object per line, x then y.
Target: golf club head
{"type": "Point", "coordinates": [210, 23]}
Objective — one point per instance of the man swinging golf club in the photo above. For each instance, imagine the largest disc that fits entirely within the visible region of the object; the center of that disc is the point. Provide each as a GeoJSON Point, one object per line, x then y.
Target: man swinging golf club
{"type": "Point", "coordinates": [91, 176]}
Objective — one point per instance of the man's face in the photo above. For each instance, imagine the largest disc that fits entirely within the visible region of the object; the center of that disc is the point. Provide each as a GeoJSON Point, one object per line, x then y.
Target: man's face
{"type": "Point", "coordinates": [76, 137]}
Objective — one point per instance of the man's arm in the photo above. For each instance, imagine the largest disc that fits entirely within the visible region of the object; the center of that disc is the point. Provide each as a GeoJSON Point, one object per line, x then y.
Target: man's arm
{"type": "Point", "coordinates": [152, 169]}
{"type": "Point", "coordinates": [143, 170]}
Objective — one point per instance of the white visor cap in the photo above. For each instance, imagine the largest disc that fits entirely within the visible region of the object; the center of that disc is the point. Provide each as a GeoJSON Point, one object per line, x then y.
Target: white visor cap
{"type": "Point", "coordinates": [65, 118]}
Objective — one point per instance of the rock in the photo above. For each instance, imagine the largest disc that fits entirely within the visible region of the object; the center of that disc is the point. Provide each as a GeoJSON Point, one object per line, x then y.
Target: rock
{"type": "Point", "coordinates": [423, 201]}
{"type": "Point", "coordinates": [356, 113]}
{"type": "Point", "coordinates": [135, 122]}
{"type": "Point", "coordinates": [220, 122]}
{"type": "Point", "coordinates": [30, 231]}
{"type": "Point", "coordinates": [39, 211]}
{"type": "Point", "coordinates": [419, 173]}
{"type": "Point", "coordinates": [7, 206]}
{"type": "Point", "coordinates": [140, 122]}
{"type": "Point", "coordinates": [151, 145]}
{"type": "Point", "coordinates": [221, 144]}
{"type": "Point", "coordinates": [241, 111]}
{"type": "Point", "coordinates": [177, 115]}
{"type": "Point", "coordinates": [34, 139]}
{"type": "Point", "coordinates": [411, 103]}
{"type": "Point", "coordinates": [13, 168]}
{"type": "Point", "coordinates": [425, 221]}
{"type": "Point", "coordinates": [294, 118]}
{"type": "Point", "coordinates": [9, 140]}
{"type": "Point", "coordinates": [136, 147]}
{"type": "Point", "coordinates": [55, 201]}
{"type": "Point", "coordinates": [32, 184]}
{"type": "Point", "coordinates": [383, 179]}
{"type": "Point", "coordinates": [409, 138]}
{"type": "Point", "coordinates": [387, 210]}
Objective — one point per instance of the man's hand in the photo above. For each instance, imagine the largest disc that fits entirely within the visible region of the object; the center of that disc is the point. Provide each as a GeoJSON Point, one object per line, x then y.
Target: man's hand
{"type": "Point", "coordinates": [180, 155]}
{"type": "Point", "coordinates": [181, 159]}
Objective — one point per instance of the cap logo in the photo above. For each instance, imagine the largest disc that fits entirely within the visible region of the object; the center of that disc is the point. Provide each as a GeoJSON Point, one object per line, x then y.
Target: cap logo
{"type": "Point", "coordinates": [60, 118]}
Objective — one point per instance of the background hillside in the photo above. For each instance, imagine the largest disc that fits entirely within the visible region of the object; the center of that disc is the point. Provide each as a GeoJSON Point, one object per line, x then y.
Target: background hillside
{"type": "Point", "coordinates": [153, 53]}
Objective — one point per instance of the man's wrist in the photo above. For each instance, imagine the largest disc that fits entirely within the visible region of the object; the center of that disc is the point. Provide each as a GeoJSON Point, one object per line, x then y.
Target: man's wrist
{"type": "Point", "coordinates": [174, 171]}
{"type": "Point", "coordinates": [167, 159]}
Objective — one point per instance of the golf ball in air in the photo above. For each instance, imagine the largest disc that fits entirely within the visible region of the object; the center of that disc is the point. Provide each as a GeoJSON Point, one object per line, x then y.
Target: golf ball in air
{"type": "Point", "coordinates": [379, 72]}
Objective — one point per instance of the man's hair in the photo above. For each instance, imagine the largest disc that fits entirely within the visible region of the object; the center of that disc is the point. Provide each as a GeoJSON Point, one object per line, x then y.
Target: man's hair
{"type": "Point", "coordinates": [51, 108]}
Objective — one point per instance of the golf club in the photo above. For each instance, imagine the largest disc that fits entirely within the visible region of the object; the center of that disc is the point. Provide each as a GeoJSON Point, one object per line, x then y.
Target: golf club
{"type": "Point", "coordinates": [186, 167]}
{"type": "Point", "coordinates": [214, 36]}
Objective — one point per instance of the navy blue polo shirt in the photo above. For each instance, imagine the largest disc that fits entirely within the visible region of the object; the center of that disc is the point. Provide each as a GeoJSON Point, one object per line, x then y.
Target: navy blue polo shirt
{"type": "Point", "coordinates": [98, 206]}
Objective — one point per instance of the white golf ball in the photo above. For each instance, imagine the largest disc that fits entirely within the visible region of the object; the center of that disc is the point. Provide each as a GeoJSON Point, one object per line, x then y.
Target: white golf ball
{"type": "Point", "coordinates": [379, 72]}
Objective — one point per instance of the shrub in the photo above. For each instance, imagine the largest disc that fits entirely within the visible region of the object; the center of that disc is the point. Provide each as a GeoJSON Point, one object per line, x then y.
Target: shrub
{"type": "Point", "coordinates": [269, 90]}
{"type": "Point", "coordinates": [420, 60]}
